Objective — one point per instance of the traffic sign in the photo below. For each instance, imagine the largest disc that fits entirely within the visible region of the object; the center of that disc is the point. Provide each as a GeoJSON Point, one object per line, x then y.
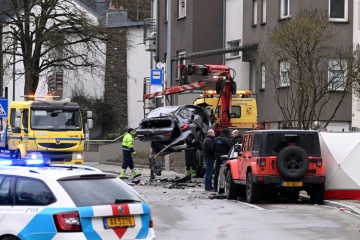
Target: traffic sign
{"type": "Point", "coordinates": [4, 107]}
{"type": "Point", "coordinates": [156, 77]}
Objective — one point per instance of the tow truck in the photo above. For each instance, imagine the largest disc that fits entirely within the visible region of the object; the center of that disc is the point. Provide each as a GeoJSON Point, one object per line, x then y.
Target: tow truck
{"type": "Point", "coordinates": [43, 129]}
{"type": "Point", "coordinates": [223, 78]}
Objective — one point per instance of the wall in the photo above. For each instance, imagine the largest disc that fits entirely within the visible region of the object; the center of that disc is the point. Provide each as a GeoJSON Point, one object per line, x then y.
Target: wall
{"type": "Point", "coordinates": [138, 65]}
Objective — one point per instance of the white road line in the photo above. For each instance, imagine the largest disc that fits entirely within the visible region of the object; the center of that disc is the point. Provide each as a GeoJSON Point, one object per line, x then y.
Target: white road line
{"type": "Point", "coordinates": [252, 205]}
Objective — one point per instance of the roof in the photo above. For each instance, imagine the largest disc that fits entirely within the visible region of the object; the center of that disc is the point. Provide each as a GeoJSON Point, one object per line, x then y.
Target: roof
{"type": "Point", "coordinates": [55, 171]}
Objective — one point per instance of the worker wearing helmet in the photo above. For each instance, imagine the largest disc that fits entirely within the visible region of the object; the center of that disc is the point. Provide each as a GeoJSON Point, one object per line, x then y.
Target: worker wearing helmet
{"type": "Point", "coordinates": [128, 149]}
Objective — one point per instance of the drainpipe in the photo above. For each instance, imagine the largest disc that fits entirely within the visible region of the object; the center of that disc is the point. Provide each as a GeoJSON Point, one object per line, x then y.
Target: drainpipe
{"type": "Point", "coordinates": [152, 16]}
{"type": "Point", "coordinates": [224, 29]}
{"type": "Point", "coordinates": [1, 62]}
{"type": "Point", "coordinates": [156, 58]}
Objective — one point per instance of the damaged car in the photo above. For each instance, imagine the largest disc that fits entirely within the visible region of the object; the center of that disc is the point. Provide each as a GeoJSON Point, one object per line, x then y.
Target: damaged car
{"type": "Point", "coordinates": [174, 128]}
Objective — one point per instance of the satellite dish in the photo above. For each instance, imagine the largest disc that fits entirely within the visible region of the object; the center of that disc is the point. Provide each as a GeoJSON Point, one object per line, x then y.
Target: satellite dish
{"type": "Point", "coordinates": [160, 65]}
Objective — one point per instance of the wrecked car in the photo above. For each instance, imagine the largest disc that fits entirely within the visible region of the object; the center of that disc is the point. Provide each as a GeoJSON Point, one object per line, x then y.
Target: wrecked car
{"type": "Point", "coordinates": [174, 128]}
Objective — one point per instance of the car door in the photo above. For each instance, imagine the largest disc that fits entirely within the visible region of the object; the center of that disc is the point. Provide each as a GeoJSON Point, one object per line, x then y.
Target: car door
{"type": "Point", "coordinates": [5, 199]}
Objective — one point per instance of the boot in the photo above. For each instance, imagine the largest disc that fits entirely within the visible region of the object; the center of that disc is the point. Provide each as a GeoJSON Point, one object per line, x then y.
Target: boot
{"type": "Point", "coordinates": [122, 174]}
{"type": "Point", "coordinates": [193, 173]}
{"type": "Point", "coordinates": [187, 172]}
{"type": "Point", "coordinates": [135, 174]}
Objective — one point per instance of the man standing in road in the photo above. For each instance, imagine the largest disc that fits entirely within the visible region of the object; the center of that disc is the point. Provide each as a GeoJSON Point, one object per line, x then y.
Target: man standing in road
{"type": "Point", "coordinates": [190, 161]}
{"type": "Point", "coordinates": [209, 158]}
{"type": "Point", "coordinates": [128, 149]}
{"type": "Point", "coordinates": [223, 145]}
{"type": "Point", "coordinates": [236, 138]}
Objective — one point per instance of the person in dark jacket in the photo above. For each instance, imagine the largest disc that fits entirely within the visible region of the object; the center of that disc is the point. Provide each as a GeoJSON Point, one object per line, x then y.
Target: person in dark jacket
{"type": "Point", "coordinates": [226, 143]}
{"type": "Point", "coordinates": [209, 158]}
{"type": "Point", "coordinates": [236, 137]}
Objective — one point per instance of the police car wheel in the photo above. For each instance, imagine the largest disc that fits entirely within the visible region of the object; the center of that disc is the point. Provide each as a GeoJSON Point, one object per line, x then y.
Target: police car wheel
{"type": "Point", "coordinates": [9, 238]}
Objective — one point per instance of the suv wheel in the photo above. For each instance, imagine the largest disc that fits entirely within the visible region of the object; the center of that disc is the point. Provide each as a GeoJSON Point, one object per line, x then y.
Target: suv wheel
{"type": "Point", "coordinates": [292, 162]}
{"type": "Point", "coordinates": [253, 191]}
{"type": "Point", "coordinates": [231, 189]}
{"type": "Point", "coordinates": [317, 194]}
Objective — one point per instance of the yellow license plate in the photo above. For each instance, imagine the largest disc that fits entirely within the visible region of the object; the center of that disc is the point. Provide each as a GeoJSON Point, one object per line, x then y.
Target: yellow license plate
{"type": "Point", "coordinates": [292, 184]}
{"type": "Point", "coordinates": [112, 222]}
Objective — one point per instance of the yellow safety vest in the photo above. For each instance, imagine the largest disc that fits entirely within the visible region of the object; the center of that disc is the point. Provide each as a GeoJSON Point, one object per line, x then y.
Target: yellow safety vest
{"type": "Point", "coordinates": [128, 141]}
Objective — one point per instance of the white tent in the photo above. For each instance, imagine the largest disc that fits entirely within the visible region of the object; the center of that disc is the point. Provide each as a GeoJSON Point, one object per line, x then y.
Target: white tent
{"type": "Point", "coordinates": [341, 153]}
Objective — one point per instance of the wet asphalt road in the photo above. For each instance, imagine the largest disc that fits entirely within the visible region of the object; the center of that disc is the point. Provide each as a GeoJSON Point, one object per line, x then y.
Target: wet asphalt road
{"type": "Point", "coordinates": [190, 213]}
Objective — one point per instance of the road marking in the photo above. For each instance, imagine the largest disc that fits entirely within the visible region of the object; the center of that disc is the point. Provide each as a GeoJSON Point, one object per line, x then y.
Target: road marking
{"type": "Point", "coordinates": [254, 206]}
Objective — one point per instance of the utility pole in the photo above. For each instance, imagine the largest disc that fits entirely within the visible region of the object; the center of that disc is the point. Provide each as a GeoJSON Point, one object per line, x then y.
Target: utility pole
{"type": "Point", "coordinates": [168, 51]}
{"type": "Point", "coordinates": [14, 45]}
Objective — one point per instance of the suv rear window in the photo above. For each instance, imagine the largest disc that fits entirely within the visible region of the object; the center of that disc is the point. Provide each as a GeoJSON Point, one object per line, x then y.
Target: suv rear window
{"type": "Point", "coordinates": [93, 192]}
{"type": "Point", "coordinates": [276, 142]}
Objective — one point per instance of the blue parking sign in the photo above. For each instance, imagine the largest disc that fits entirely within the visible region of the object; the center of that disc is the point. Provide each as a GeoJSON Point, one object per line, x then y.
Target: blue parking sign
{"type": "Point", "coordinates": [4, 107]}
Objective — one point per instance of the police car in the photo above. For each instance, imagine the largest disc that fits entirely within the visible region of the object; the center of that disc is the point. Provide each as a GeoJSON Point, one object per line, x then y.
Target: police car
{"type": "Point", "coordinates": [69, 202]}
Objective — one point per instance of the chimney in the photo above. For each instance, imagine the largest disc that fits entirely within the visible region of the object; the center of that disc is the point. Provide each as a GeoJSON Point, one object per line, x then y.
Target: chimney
{"type": "Point", "coordinates": [116, 16]}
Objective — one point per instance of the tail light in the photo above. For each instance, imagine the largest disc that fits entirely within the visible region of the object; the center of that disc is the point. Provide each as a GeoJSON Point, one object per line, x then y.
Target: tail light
{"type": "Point", "coordinates": [167, 134]}
{"type": "Point", "coordinates": [262, 162]}
{"type": "Point", "coordinates": [151, 223]}
{"type": "Point", "coordinates": [260, 178]}
{"type": "Point", "coordinates": [319, 162]}
{"type": "Point", "coordinates": [184, 126]}
{"type": "Point", "coordinates": [67, 222]}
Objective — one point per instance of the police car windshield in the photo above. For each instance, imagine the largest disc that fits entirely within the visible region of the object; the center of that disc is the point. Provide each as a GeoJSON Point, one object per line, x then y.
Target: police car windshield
{"type": "Point", "coordinates": [102, 191]}
{"type": "Point", "coordinates": [54, 120]}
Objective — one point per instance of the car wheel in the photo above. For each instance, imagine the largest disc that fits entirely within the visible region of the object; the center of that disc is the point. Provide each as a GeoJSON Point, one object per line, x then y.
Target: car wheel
{"type": "Point", "coordinates": [292, 162]}
{"type": "Point", "coordinates": [9, 238]}
{"type": "Point", "coordinates": [317, 194]}
{"type": "Point", "coordinates": [253, 191]}
{"type": "Point", "coordinates": [231, 189]}
{"type": "Point", "coordinates": [220, 183]}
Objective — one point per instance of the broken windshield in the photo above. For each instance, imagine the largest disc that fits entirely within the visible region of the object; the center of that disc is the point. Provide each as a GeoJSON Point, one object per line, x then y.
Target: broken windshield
{"type": "Point", "coordinates": [55, 120]}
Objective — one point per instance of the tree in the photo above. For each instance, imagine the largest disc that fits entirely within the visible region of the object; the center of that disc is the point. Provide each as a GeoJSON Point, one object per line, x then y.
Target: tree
{"type": "Point", "coordinates": [307, 68]}
{"type": "Point", "coordinates": [52, 35]}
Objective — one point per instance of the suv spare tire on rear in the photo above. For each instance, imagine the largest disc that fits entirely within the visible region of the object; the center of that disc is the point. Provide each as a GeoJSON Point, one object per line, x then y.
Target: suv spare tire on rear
{"type": "Point", "coordinates": [292, 162]}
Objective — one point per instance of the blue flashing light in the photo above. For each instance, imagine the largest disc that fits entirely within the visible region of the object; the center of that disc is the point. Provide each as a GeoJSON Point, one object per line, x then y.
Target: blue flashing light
{"type": "Point", "coordinates": [34, 162]}
{"type": "Point", "coordinates": [5, 162]}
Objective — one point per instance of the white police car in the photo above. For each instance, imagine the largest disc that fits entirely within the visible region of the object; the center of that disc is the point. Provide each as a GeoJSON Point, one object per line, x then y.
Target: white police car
{"type": "Point", "coordinates": [69, 202]}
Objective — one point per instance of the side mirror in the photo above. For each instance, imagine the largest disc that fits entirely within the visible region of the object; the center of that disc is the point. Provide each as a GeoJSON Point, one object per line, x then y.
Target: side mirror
{"type": "Point", "coordinates": [224, 157]}
{"type": "Point", "coordinates": [17, 122]}
{"type": "Point", "coordinates": [89, 123]}
{"type": "Point", "coordinates": [18, 113]}
{"type": "Point", "coordinates": [89, 114]}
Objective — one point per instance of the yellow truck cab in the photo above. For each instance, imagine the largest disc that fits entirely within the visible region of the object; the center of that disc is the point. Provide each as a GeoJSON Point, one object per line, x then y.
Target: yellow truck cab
{"type": "Point", "coordinates": [243, 108]}
{"type": "Point", "coordinates": [50, 130]}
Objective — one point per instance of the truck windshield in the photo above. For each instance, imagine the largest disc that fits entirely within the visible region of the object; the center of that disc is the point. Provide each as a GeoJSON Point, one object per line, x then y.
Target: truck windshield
{"type": "Point", "coordinates": [55, 120]}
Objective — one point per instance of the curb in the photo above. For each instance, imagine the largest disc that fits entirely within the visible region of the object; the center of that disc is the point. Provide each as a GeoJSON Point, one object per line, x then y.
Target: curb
{"type": "Point", "coordinates": [341, 206]}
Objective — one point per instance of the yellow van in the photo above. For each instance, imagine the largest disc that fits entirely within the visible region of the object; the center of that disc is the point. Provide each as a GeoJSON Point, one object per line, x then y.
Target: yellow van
{"type": "Point", "coordinates": [243, 108]}
{"type": "Point", "coordinates": [47, 130]}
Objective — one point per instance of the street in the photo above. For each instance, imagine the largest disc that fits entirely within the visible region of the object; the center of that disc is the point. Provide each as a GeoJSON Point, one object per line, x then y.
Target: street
{"type": "Point", "coordinates": [190, 214]}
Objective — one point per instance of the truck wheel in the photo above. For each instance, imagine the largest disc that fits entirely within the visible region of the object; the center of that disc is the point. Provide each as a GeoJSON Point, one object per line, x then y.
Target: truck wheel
{"type": "Point", "coordinates": [231, 189]}
{"type": "Point", "coordinates": [253, 191]}
{"type": "Point", "coordinates": [317, 194]}
{"type": "Point", "coordinates": [292, 162]}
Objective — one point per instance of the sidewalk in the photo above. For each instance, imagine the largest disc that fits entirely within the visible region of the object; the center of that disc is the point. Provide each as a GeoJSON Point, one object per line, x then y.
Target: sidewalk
{"type": "Point", "coordinates": [352, 206]}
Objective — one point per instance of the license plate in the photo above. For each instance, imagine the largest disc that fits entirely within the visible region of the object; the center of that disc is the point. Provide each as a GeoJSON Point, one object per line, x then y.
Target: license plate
{"type": "Point", "coordinates": [113, 222]}
{"type": "Point", "coordinates": [292, 184]}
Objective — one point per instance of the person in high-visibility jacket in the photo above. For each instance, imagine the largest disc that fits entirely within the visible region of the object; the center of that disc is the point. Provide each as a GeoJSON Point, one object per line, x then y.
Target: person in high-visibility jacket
{"type": "Point", "coordinates": [128, 149]}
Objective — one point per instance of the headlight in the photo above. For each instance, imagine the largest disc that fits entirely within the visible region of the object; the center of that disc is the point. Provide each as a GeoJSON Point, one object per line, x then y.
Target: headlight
{"type": "Point", "coordinates": [34, 155]}
{"type": "Point", "coordinates": [78, 156]}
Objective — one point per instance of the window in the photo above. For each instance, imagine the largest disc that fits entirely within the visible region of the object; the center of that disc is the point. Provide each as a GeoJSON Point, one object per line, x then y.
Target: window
{"type": "Point", "coordinates": [32, 192]}
{"type": "Point", "coordinates": [263, 75]}
{"type": "Point", "coordinates": [243, 147]}
{"type": "Point", "coordinates": [263, 11]}
{"type": "Point", "coordinates": [12, 117]}
{"type": "Point", "coordinates": [284, 73]}
{"type": "Point", "coordinates": [25, 118]}
{"type": "Point", "coordinates": [234, 44]}
{"type": "Point", "coordinates": [257, 139]}
{"type": "Point", "coordinates": [254, 12]}
{"type": "Point", "coordinates": [182, 8]}
{"type": "Point", "coordinates": [337, 74]}
{"type": "Point", "coordinates": [4, 190]}
{"type": "Point", "coordinates": [182, 61]}
{"type": "Point", "coordinates": [235, 112]}
{"type": "Point", "coordinates": [250, 143]}
{"type": "Point", "coordinates": [285, 8]}
{"type": "Point", "coordinates": [338, 10]}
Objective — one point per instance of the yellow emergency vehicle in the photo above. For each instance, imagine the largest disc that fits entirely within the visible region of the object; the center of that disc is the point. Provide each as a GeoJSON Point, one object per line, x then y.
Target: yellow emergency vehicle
{"type": "Point", "coordinates": [46, 129]}
{"type": "Point", "coordinates": [243, 108]}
